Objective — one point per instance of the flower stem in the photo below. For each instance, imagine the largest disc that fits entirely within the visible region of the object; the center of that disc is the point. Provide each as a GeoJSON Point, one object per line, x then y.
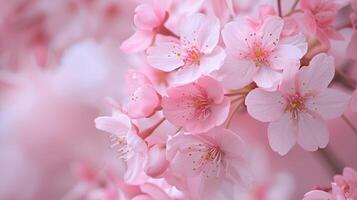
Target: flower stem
{"type": "Point", "coordinates": [279, 8]}
{"type": "Point", "coordinates": [147, 132]}
{"type": "Point", "coordinates": [349, 123]}
{"type": "Point", "coordinates": [330, 159]}
{"type": "Point", "coordinates": [230, 117]}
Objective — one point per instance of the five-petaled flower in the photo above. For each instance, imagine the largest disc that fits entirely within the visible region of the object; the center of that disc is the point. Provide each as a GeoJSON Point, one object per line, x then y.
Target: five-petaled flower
{"type": "Point", "coordinates": [298, 110]}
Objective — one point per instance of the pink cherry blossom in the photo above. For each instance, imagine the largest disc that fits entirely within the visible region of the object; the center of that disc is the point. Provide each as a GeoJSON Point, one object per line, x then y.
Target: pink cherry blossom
{"type": "Point", "coordinates": [131, 149]}
{"type": "Point", "coordinates": [318, 17]}
{"type": "Point", "coordinates": [143, 99]}
{"type": "Point", "coordinates": [216, 158]}
{"type": "Point", "coordinates": [298, 111]}
{"type": "Point", "coordinates": [257, 54]}
{"type": "Point", "coordinates": [149, 19]}
{"type": "Point", "coordinates": [157, 163]}
{"type": "Point", "coordinates": [352, 46]}
{"type": "Point", "coordinates": [195, 54]}
{"type": "Point", "coordinates": [344, 187]}
{"type": "Point", "coordinates": [198, 106]}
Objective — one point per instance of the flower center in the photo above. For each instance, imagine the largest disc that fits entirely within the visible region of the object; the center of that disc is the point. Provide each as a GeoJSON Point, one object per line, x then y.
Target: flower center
{"type": "Point", "coordinates": [209, 159]}
{"type": "Point", "coordinates": [123, 148]}
{"type": "Point", "coordinates": [202, 107]}
{"type": "Point", "coordinates": [259, 56]}
{"type": "Point", "coordinates": [193, 55]}
{"type": "Point", "coordinates": [296, 105]}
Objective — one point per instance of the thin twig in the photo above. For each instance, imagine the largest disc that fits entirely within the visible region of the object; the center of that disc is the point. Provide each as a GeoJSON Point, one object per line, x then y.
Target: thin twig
{"type": "Point", "coordinates": [331, 160]}
{"type": "Point", "coordinates": [230, 117]}
{"type": "Point", "coordinates": [349, 123]}
{"type": "Point", "coordinates": [279, 8]}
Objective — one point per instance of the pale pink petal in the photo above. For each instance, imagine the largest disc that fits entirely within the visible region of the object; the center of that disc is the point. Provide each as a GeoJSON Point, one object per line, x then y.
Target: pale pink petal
{"type": "Point", "coordinates": [317, 195]}
{"type": "Point", "coordinates": [265, 106]}
{"type": "Point", "coordinates": [267, 78]}
{"type": "Point", "coordinates": [318, 75]}
{"type": "Point", "coordinates": [271, 29]}
{"type": "Point", "coordinates": [135, 79]}
{"type": "Point", "coordinates": [142, 197]}
{"type": "Point", "coordinates": [154, 191]}
{"type": "Point", "coordinates": [234, 68]}
{"type": "Point", "coordinates": [156, 162]}
{"type": "Point", "coordinates": [208, 35]}
{"type": "Point", "coordinates": [190, 28]}
{"type": "Point", "coordinates": [229, 142]}
{"type": "Point", "coordinates": [214, 89]}
{"type": "Point", "coordinates": [282, 134]}
{"type": "Point", "coordinates": [139, 41]}
{"type": "Point", "coordinates": [329, 104]}
{"type": "Point", "coordinates": [283, 56]}
{"type": "Point", "coordinates": [145, 17]}
{"type": "Point", "coordinates": [165, 56]}
{"type": "Point", "coordinates": [208, 64]}
{"type": "Point", "coordinates": [234, 35]}
{"type": "Point", "coordinates": [143, 102]}
{"type": "Point", "coordinates": [350, 175]}
{"type": "Point", "coordinates": [312, 132]}
{"type": "Point", "coordinates": [117, 125]}
{"type": "Point", "coordinates": [298, 40]}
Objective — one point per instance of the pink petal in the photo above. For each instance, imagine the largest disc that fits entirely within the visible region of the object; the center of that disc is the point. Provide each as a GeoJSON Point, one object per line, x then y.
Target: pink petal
{"type": "Point", "coordinates": [139, 41]}
{"type": "Point", "coordinates": [213, 88]}
{"type": "Point", "coordinates": [154, 191]}
{"type": "Point", "coordinates": [329, 104]}
{"type": "Point", "coordinates": [234, 35]}
{"type": "Point", "coordinates": [312, 132]}
{"type": "Point", "coordinates": [318, 75]}
{"type": "Point", "coordinates": [212, 61]}
{"type": "Point", "coordinates": [190, 27]}
{"type": "Point", "coordinates": [208, 35]}
{"type": "Point", "coordinates": [317, 195]}
{"type": "Point", "coordinates": [267, 78]}
{"type": "Point", "coordinates": [156, 163]}
{"type": "Point", "coordinates": [142, 197]}
{"type": "Point", "coordinates": [282, 134]}
{"type": "Point", "coordinates": [229, 142]}
{"type": "Point", "coordinates": [271, 29]}
{"type": "Point", "coordinates": [120, 124]}
{"type": "Point", "coordinates": [283, 56]}
{"type": "Point", "coordinates": [233, 68]}
{"type": "Point", "coordinates": [135, 79]}
{"type": "Point", "coordinates": [145, 17]}
{"type": "Point", "coordinates": [265, 106]}
{"type": "Point", "coordinates": [165, 56]}
{"type": "Point", "coordinates": [143, 102]}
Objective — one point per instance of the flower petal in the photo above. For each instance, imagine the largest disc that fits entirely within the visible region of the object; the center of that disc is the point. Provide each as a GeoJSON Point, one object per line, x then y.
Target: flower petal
{"type": "Point", "coordinates": [272, 28]}
{"type": "Point", "coordinates": [312, 132]}
{"type": "Point", "coordinates": [282, 134]}
{"type": "Point", "coordinates": [267, 78]}
{"type": "Point", "coordinates": [329, 104]}
{"type": "Point", "coordinates": [165, 56]}
{"type": "Point", "coordinates": [265, 106]}
{"type": "Point", "coordinates": [139, 41]}
{"type": "Point", "coordinates": [318, 75]}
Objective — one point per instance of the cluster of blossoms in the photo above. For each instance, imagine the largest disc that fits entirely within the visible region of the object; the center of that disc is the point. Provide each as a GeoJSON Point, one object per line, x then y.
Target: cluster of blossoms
{"type": "Point", "coordinates": [206, 61]}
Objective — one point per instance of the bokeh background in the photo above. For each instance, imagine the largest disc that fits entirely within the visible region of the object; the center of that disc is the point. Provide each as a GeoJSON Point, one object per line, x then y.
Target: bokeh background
{"type": "Point", "coordinates": [59, 59]}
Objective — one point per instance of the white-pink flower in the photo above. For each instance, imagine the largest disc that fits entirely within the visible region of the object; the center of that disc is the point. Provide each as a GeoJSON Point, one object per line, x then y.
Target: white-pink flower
{"type": "Point", "coordinates": [257, 53]}
{"type": "Point", "coordinates": [142, 99]}
{"type": "Point", "coordinates": [344, 187]}
{"type": "Point", "coordinates": [198, 106]}
{"type": "Point", "coordinates": [195, 54]}
{"type": "Point", "coordinates": [131, 149]}
{"type": "Point", "coordinates": [298, 111]}
{"type": "Point", "coordinates": [214, 157]}
{"type": "Point", "coordinates": [318, 19]}
{"type": "Point", "coordinates": [148, 19]}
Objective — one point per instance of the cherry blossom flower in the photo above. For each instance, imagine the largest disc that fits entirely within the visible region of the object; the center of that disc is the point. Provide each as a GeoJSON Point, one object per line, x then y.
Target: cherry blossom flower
{"type": "Point", "coordinates": [298, 110]}
{"type": "Point", "coordinates": [149, 19]}
{"type": "Point", "coordinates": [216, 157]}
{"type": "Point", "coordinates": [143, 99]}
{"type": "Point", "coordinates": [257, 54]}
{"type": "Point", "coordinates": [195, 54]}
{"type": "Point", "coordinates": [318, 19]}
{"type": "Point", "coordinates": [344, 187]}
{"type": "Point", "coordinates": [131, 149]}
{"type": "Point", "coordinates": [198, 106]}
